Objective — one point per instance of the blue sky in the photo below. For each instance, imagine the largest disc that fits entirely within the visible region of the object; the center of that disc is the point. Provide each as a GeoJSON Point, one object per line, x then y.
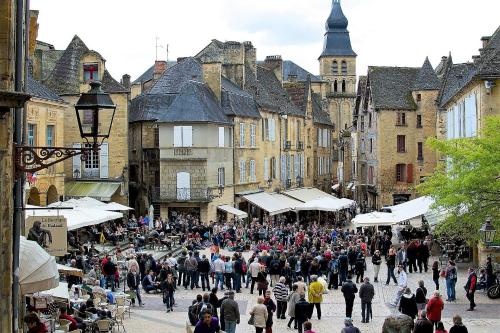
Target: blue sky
{"type": "Point", "coordinates": [383, 32]}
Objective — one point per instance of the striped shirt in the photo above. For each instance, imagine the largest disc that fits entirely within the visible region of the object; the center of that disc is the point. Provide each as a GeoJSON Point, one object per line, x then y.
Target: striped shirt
{"type": "Point", "coordinates": [280, 291]}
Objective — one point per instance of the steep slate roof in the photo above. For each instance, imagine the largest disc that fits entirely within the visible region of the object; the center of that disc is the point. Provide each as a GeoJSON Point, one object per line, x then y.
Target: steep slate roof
{"type": "Point", "coordinates": [194, 103]}
{"type": "Point", "coordinates": [291, 68]}
{"type": "Point", "coordinates": [299, 93]}
{"type": "Point", "coordinates": [426, 78]}
{"type": "Point", "coordinates": [319, 115]}
{"type": "Point", "coordinates": [458, 76]}
{"type": "Point", "coordinates": [39, 90]}
{"type": "Point", "coordinates": [149, 107]}
{"type": "Point", "coordinates": [174, 77]}
{"type": "Point", "coordinates": [148, 74]}
{"type": "Point", "coordinates": [268, 92]}
{"type": "Point", "coordinates": [391, 87]}
{"type": "Point", "coordinates": [65, 77]}
{"type": "Point", "coordinates": [337, 40]}
{"type": "Point", "coordinates": [237, 102]}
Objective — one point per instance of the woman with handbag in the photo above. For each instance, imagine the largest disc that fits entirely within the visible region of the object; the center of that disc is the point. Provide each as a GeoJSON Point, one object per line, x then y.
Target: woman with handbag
{"type": "Point", "coordinates": [258, 316]}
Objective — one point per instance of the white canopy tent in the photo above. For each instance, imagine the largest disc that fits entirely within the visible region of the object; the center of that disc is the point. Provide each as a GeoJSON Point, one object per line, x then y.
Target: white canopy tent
{"type": "Point", "coordinates": [291, 202]}
{"type": "Point", "coordinates": [374, 219]}
{"type": "Point", "coordinates": [328, 204]}
{"type": "Point", "coordinates": [61, 291]}
{"type": "Point", "coordinates": [412, 209]}
{"type": "Point", "coordinates": [234, 211]}
{"type": "Point", "coordinates": [78, 217]}
{"type": "Point", "coordinates": [37, 269]}
{"type": "Point", "coordinates": [88, 202]}
{"type": "Point", "coordinates": [307, 194]}
{"type": "Point", "coordinates": [268, 203]}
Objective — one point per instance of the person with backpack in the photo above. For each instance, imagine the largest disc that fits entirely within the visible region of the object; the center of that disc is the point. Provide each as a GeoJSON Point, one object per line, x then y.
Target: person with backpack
{"type": "Point", "coordinates": [193, 310]}
{"type": "Point", "coordinates": [451, 280]}
{"type": "Point", "coordinates": [334, 274]}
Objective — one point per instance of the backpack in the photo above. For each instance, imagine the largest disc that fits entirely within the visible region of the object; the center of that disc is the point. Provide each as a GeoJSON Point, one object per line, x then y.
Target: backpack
{"type": "Point", "coordinates": [192, 314]}
{"type": "Point", "coordinates": [244, 267]}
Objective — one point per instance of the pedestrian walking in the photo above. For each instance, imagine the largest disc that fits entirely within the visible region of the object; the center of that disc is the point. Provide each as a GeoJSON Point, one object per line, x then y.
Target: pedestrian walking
{"type": "Point", "coordinates": [366, 294]}
{"type": "Point", "coordinates": [349, 289]}
{"type": "Point", "coordinates": [360, 267]}
{"type": "Point", "coordinates": [391, 265]}
{"type": "Point", "coordinates": [254, 270]}
{"type": "Point", "coordinates": [435, 273]}
{"type": "Point", "coordinates": [423, 325]}
{"type": "Point", "coordinates": [293, 299]}
{"type": "Point", "coordinates": [230, 311]}
{"type": "Point", "coordinates": [134, 284]}
{"type": "Point", "coordinates": [402, 284]}
{"type": "Point", "coordinates": [271, 308]}
{"type": "Point", "coordinates": [302, 308]}
{"type": "Point", "coordinates": [376, 261]}
{"type": "Point", "coordinates": [408, 304]}
{"type": "Point", "coordinates": [349, 327]}
{"type": "Point", "coordinates": [315, 296]}
{"type": "Point", "coordinates": [451, 277]}
{"type": "Point", "coordinates": [421, 296]}
{"type": "Point", "coordinates": [470, 288]}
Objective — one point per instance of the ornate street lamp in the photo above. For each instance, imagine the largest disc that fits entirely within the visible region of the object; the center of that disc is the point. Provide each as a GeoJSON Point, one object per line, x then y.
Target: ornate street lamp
{"type": "Point", "coordinates": [95, 112]}
{"type": "Point", "coordinates": [487, 232]}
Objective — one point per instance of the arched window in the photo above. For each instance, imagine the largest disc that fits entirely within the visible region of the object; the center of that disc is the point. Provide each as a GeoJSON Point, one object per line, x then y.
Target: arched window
{"type": "Point", "coordinates": [183, 186]}
{"type": "Point", "coordinates": [344, 67]}
{"type": "Point", "coordinates": [343, 86]}
{"type": "Point", "coordinates": [335, 67]}
{"type": "Point", "coordinates": [335, 86]}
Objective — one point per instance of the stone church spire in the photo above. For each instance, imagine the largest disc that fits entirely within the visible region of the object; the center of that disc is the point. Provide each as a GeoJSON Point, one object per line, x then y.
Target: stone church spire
{"type": "Point", "coordinates": [337, 40]}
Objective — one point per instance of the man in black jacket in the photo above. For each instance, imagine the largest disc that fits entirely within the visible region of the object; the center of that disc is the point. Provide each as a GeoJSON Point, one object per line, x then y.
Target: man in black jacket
{"type": "Point", "coordinates": [349, 290]}
{"type": "Point", "coordinates": [423, 325]}
{"type": "Point", "coordinates": [343, 266]}
{"type": "Point", "coordinates": [366, 294]}
{"type": "Point", "coordinates": [134, 283]}
{"type": "Point", "coordinates": [204, 269]}
{"type": "Point", "coordinates": [109, 270]}
{"type": "Point", "coordinates": [301, 312]}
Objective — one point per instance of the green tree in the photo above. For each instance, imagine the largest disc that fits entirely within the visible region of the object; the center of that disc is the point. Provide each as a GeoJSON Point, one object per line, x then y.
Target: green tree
{"type": "Point", "coordinates": [467, 184]}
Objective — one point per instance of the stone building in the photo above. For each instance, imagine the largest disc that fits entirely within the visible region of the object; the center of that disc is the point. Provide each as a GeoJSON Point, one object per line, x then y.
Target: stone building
{"type": "Point", "coordinates": [45, 127]}
{"type": "Point", "coordinates": [396, 111]}
{"type": "Point", "coordinates": [104, 175]}
{"type": "Point", "coordinates": [337, 66]}
{"type": "Point", "coordinates": [470, 91]}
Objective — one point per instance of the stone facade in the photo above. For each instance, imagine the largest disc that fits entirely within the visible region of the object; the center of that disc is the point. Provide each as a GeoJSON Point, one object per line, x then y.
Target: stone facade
{"type": "Point", "coordinates": [48, 186]}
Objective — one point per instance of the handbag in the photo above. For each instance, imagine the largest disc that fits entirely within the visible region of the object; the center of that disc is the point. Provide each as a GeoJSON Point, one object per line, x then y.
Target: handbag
{"type": "Point", "coordinates": [251, 320]}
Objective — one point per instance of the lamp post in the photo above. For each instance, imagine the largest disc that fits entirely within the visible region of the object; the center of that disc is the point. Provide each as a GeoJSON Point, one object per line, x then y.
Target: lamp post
{"type": "Point", "coordinates": [95, 111]}
{"type": "Point", "coordinates": [487, 232]}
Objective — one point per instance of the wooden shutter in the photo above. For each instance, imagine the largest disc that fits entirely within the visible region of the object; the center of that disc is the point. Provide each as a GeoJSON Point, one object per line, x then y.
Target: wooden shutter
{"type": "Point", "coordinates": [266, 168]}
{"type": "Point", "coordinates": [177, 136]}
{"type": "Point", "coordinates": [187, 136]}
{"type": "Point", "coordinates": [103, 160]}
{"type": "Point", "coordinates": [409, 173]}
{"type": "Point", "coordinates": [77, 162]}
{"type": "Point", "coordinates": [221, 137]}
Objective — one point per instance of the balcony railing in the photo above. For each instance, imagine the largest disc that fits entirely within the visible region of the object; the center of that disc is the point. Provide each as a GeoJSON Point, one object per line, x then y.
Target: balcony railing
{"type": "Point", "coordinates": [164, 194]}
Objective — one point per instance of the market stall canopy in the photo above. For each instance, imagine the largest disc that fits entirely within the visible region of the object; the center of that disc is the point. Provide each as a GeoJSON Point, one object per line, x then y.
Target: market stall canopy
{"type": "Point", "coordinates": [307, 194]}
{"type": "Point", "coordinates": [231, 210]}
{"type": "Point", "coordinates": [374, 219]}
{"type": "Point", "coordinates": [268, 203]}
{"type": "Point", "coordinates": [291, 202]}
{"type": "Point", "coordinates": [61, 291]}
{"type": "Point", "coordinates": [88, 202]}
{"type": "Point", "coordinates": [412, 209]}
{"type": "Point", "coordinates": [37, 269]}
{"type": "Point", "coordinates": [328, 204]}
{"type": "Point", "coordinates": [67, 270]}
{"type": "Point", "coordinates": [78, 217]}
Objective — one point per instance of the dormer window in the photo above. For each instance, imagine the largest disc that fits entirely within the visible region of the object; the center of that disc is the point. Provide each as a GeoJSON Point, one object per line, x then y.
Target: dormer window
{"type": "Point", "coordinates": [90, 72]}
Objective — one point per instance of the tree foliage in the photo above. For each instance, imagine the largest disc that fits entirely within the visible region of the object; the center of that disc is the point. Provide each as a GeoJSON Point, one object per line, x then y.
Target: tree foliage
{"type": "Point", "coordinates": [467, 183]}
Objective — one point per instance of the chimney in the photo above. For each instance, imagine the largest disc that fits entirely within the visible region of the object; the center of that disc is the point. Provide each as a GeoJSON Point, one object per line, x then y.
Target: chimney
{"type": "Point", "coordinates": [275, 63]}
{"type": "Point", "coordinates": [160, 67]}
{"type": "Point", "coordinates": [485, 40]}
{"type": "Point", "coordinates": [126, 81]}
{"type": "Point", "coordinates": [475, 58]}
{"type": "Point", "coordinates": [212, 77]}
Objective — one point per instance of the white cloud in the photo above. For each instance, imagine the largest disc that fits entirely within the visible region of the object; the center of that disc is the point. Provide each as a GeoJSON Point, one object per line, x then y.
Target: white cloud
{"type": "Point", "coordinates": [383, 32]}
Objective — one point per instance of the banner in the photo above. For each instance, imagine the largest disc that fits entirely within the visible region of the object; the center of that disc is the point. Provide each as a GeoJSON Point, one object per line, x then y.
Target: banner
{"type": "Point", "coordinates": [48, 231]}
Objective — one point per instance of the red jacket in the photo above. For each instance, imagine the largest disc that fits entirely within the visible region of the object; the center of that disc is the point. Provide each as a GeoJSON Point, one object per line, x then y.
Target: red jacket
{"type": "Point", "coordinates": [434, 308]}
{"type": "Point", "coordinates": [40, 328]}
{"type": "Point", "coordinates": [74, 324]}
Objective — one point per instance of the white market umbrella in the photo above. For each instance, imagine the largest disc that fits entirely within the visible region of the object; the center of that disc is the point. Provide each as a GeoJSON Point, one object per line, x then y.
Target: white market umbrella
{"type": "Point", "coordinates": [37, 269]}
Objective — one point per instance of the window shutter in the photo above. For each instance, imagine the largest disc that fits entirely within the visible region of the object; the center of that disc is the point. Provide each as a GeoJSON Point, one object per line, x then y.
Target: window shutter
{"type": "Point", "coordinates": [242, 135]}
{"type": "Point", "coordinates": [302, 165]}
{"type": "Point", "coordinates": [177, 136]}
{"type": "Point", "coordinates": [409, 173]}
{"type": "Point", "coordinates": [103, 160]}
{"type": "Point", "coordinates": [77, 162]}
{"type": "Point", "coordinates": [252, 170]}
{"type": "Point", "coordinates": [221, 136]}
{"type": "Point", "coordinates": [266, 168]}
{"type": "Point", "coordinates": [473, 115]}
{"type": "Point", "coordinates": [187, 136]}
{"type": "Point", "coordinates": [252, 135]}
{"type": "Point", "coordinates": [272, 129]}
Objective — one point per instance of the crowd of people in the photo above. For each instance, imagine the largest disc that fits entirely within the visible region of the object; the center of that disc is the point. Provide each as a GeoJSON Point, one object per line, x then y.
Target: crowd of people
{"type": "Point", "coordinates": [290, 266]}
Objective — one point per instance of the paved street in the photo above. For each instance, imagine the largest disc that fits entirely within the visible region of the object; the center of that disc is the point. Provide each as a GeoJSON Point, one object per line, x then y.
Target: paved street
{"type": "Point", "coordinates": [484, 319]}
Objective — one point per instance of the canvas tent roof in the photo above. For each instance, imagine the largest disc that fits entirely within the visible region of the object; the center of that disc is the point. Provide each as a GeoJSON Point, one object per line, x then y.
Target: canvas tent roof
{"type": "Point", "coordinates": [307, 194]}
{"type": "Point", "coordinates": [268, 203]}
{"type": "Point", "coordinates": [326, 204]}
{"type": "Point", "coordinates": [37, 269]}
{"type": "Point", "coordinates": [231, 210]}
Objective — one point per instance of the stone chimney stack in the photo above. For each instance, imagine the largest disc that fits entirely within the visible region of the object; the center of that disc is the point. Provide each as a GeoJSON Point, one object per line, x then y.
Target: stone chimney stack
{"type": "Point", "coordinates": [275, 63]}
{"type": "Point", "coordinates": [212, 77]}
{"type": "Point", "coordinates": [485, 40]}
{"type": "Point", "coordinates": [126, 81]}
{"type": "Point", "coordinates": [160, 67]}
{"type": "Point", "coordinates": [250, 56]}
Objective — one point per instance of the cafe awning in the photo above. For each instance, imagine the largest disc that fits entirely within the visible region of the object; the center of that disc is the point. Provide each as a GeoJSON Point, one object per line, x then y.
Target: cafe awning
{"type": "Point", "coordinates": [291, 202]}
{"type": "Point", "coordinates": [268, 203]}
{"type": "Point", "coordinates": [307, 194]}
{"type": "Point", "coordinates": [37, 269]}
{"type": "Point", "coordinates": [98, 190]}
{"type": "Point", "coordinates": [234, 211]}
{"type": "Point", "coordinates": [327, 204]}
